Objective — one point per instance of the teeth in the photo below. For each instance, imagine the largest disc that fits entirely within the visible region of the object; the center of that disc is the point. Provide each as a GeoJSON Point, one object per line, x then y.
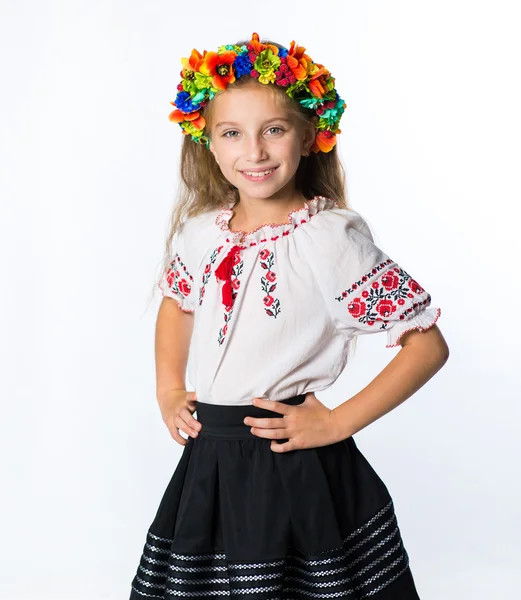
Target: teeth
{"type": "Point", "coordinates": [258, 174]}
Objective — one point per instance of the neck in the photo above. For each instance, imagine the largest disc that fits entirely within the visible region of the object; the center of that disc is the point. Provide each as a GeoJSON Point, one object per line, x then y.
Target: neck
{"type": "Point", "coordinates": [250, 213]}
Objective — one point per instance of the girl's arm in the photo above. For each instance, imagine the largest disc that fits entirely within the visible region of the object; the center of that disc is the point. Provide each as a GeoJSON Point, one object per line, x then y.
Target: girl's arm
{"type": "Point", "coordinates": [422, 355]}
{"type": "Point", "coordinates": [172, 342]}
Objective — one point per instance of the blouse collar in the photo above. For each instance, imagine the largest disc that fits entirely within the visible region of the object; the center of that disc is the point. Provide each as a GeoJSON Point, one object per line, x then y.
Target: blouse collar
{"type": "Point", "coordinates": [269, 230]}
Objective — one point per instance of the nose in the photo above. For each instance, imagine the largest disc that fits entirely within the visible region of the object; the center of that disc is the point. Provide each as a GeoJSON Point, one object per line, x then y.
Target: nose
{"type": "Point", "coordinates": [255, 149]}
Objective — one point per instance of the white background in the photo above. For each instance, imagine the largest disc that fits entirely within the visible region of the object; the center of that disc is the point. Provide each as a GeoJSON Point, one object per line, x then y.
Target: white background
{"type": "Point", "coordinates": [89, 161]}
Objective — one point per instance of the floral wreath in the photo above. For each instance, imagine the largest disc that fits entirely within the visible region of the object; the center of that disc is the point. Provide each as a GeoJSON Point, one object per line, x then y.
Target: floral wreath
{"type": "Point", "coordinates": [308, 83]}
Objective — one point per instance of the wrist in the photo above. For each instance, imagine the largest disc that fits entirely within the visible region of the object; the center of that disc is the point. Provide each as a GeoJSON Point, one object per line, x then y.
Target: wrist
{"type": "Point", "coordinates": [341, 424]}
{"type": "Point", "coordinates": [160, 394]}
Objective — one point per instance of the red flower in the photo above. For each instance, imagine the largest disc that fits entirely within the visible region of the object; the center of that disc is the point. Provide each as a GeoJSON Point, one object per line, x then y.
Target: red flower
{"type": "Point", "coordinates": [356, 308]}
{"type": "Point", "coordinates": [219, 67]}
{"type": "Point", "coordinates": [390, 280]}
{"type": "Point", "coordinates": [264, 253]}
{"type": "Point", "coordinates": [184, 287]}
{"type": "Point", "coordinates": [207, 268]}
{"type": "Point", "coordinates": [415, 286]}
{"type": "Point", "coordinates": [268, 300]}
{"type": "Point", "coordinates": [385, 308]}
{"type": "Point", "coordinates": [271, 276]}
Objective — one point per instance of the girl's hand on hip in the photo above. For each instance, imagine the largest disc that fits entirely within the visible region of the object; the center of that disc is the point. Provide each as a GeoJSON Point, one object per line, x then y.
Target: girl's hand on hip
{"type": "Point", "coordinates": [177, 407]}
{"type": "Point", "coordinates": [307, 425]}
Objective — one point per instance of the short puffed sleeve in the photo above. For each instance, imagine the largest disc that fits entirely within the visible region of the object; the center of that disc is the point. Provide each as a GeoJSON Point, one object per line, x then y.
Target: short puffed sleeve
{"type": "Point", "coordinates": [177, 281]}
{"type": "Point", "coordinates": [364, 290]}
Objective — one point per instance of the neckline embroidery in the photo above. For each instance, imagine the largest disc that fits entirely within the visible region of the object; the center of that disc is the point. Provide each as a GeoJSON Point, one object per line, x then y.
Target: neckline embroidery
{"type": "Point", "coordinates": [267, 231]}
{"type": "Point", "coordinates": [231, 265]}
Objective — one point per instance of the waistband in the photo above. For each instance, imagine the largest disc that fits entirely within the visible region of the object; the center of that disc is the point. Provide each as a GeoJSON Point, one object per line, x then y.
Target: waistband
{"type": "Point", "coordinates": [227, 421]}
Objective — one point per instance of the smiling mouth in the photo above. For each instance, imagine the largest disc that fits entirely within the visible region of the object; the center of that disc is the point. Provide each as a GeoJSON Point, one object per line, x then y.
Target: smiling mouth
{"type": "Point", "coordinates": [258, 174]}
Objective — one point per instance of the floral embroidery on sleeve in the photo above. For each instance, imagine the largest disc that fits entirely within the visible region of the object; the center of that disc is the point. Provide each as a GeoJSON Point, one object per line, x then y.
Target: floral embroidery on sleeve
{"type": "Point", "coordinates": [180, 283]}
{"type": "Point", "coordinates": [385, 297]}
{"type": "Point", "coordinates": [268, 283]}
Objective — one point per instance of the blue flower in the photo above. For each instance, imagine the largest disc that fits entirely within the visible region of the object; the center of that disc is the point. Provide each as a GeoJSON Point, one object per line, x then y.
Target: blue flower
{"type": "Point", "coordinates": [242, 65]}
{"type": "Point", "coordinates": [283, 52]}
{"type": "Point", "coordinates": [184, 103]}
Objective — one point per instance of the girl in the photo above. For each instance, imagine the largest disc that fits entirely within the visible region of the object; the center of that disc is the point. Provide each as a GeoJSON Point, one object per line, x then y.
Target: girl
{"type": "Point", "coordinates": [267, 283]}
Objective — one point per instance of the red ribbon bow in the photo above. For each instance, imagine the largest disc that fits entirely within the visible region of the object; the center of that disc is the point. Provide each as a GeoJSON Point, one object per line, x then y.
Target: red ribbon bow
{"type": "Point", "coordinates": [224, 273]}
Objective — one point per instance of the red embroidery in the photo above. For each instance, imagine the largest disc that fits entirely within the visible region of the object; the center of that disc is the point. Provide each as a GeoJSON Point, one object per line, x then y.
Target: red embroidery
{"type": "Point", "coordinates": [177, 282]}
{"type": "Point", "coordinates": [268, 283]}
{"type": "Point", "coordinates": [236, 263]}
{"type": "Point", "coordinates": [382, 299]}
{"type": "Point", "coordinates": [308, 210]}
{"type": "Point", "coordinates": [263, 240]}
{"type": "Point", "coordinates": [207, 273]}
{"type": "Point", "coordinates": [224, 273]}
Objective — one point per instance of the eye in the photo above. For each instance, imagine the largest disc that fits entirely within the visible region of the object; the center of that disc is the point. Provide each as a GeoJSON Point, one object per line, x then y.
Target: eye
{"type": "Point", "coordinates": [232, 131]}
{"type": "Point", "coordinates": [277, 130]}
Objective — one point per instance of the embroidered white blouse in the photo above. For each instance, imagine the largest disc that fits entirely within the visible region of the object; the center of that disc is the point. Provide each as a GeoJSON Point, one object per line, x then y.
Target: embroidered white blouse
{"type": "Point", "coordinates": [275, 308]}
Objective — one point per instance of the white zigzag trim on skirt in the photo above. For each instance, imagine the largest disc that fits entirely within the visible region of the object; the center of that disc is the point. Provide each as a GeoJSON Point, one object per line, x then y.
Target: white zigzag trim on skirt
{"type": "Point", "coordinates": [291, 575]}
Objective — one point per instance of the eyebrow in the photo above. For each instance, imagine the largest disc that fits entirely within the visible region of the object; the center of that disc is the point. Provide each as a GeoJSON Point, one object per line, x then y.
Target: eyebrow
{"type": "Point", "coordinates": [223, 123]}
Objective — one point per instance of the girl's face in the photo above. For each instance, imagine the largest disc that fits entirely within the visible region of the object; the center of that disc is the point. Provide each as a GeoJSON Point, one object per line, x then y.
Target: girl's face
{"type": "Point", "coordinates": [251, 133]}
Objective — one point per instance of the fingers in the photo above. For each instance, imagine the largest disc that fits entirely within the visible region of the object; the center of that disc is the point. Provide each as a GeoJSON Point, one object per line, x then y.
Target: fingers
{"type": "Point", "coordinates": [273, 423]}
{"type": "Point", "coordinates": [285, 447]}
{"type": "Point", "coordinates": [180, 425]}
{"type": "Point", "coordinates": [192, 423]}
{"type": "Point", "coordinates": [176, 409]}
{"type": "Point", "coordinates": [184, 421]}
{"type": "Point", "coordinates": [174, 432]}
{"type": "Point", "coordinates": [274, 434]}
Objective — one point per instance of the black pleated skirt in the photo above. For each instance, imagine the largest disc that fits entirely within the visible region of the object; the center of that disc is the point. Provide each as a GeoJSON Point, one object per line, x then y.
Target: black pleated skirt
{"type": "Point", "coordinates": [240, 521]}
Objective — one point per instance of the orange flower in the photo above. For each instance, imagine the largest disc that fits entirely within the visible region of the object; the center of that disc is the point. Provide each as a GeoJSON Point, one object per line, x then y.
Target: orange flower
{"type": "Point", "coordinates": [317, 83]}
{"type": "Point", "coordinates": [300, 71]}
{"type": "Point", "coordinates": [298, 61]}
{"type": "Point", "coordinates": [255, 43]}
{"type": "Point", "coordinates": [197, 120]}
{"type": "Point", "coordinates": [219, 67]}
{"type": "Point", "coordinates": [194, 62]}
{"type": "Point", "coordinates": [298, 52]}
{"type": "Point", "coordinates": [324, 141]}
